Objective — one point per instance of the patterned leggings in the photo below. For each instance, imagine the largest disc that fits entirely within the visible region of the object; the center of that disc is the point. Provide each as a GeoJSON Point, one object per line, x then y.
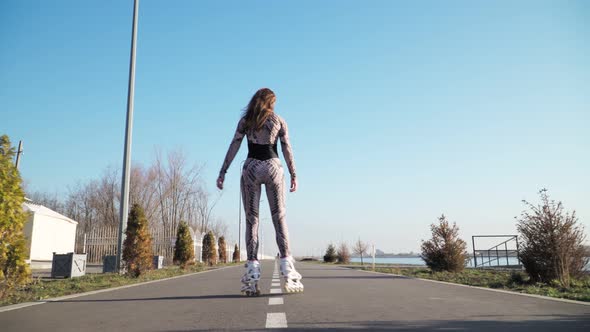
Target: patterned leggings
{"type": "Point", "coordinates": [270, 173]}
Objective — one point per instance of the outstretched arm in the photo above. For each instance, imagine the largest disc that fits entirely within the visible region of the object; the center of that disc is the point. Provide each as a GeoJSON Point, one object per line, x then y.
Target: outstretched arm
{"type": "Point", "coordinates": [288, 153]}
{"type": "Point", "coordinates": [231, 152]}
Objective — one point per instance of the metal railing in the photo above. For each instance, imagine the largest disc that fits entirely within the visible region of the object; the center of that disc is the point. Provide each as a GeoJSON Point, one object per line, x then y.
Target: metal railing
{"type": "Point", "coordinates": [494, 256]}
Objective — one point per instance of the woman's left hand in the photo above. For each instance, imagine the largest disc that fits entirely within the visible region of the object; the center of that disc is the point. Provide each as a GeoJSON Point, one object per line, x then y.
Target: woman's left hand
{"type": "Point", "coordinates": [220, 180]}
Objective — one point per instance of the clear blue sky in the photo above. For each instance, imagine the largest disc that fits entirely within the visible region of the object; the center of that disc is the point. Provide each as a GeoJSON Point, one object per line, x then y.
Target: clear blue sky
{"type": "Point", "coordinates": [398, 111]}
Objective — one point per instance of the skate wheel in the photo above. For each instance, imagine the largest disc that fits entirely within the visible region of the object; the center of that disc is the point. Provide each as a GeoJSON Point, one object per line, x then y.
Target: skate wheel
{"type": "Point", "coordinates": [251, 293]}
{"type": "Point", "coordinates": [295, 289]}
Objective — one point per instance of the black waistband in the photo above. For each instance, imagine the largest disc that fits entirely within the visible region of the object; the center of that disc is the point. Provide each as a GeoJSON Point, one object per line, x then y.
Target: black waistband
{"type": "Point", "coordinates": [262, 151]}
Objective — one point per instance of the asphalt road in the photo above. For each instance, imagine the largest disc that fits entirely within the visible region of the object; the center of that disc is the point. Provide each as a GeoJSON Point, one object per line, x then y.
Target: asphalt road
{"type": "Point", "coordinates": [335, 298]}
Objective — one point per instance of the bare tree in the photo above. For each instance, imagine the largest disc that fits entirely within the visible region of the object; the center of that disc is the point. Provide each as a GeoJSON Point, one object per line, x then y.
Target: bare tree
{"type": "Point", "coordinates": [107, 197]}
{"type": "Point", "coordinates": [204, 208]}
{"type": "Point", "coordinates": [169, 191]}
{"type": "Point", "coordinates": [218, 227]}
{"type": "Point", "coordinates": [79, 205]}
{"type": "Point", "coordinates": [142, 190]}
{"type": "Point", "coordinates": [51, 201]}
{"type": "Point", "coordinates": [179, 192]}
{"type": "Point", "coordinates": [360, 248]}
{"type": "Point", "coordinates": [95, 202]}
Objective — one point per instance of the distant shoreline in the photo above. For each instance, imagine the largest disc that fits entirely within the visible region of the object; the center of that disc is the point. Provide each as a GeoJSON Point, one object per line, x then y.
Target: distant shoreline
{"type": "Point", "coordinates": [470, 255]}
{"type": "Point", "coordinates": [389, 256]}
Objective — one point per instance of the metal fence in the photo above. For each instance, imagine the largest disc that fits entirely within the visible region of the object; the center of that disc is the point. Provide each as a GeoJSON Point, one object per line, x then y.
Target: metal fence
{"type": "Point", "coordinates": [504, 254]}
{"type": "Point", "coordinates": [102, 241]}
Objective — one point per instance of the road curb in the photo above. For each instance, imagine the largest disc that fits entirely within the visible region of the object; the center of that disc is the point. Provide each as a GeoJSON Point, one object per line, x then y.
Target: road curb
{"type": "Point", "coordinates": [482, 288]}
{"type": "Point", "coordinates": [71, 296]}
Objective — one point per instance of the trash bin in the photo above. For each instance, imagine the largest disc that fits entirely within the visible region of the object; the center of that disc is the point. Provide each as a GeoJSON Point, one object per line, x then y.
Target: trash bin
{"type": "Point", "coordinates": [68, 265]}
{"type": "Point", "coordinates": [109, 264]}
{"type": "Point", "coordinates": [158, 262]}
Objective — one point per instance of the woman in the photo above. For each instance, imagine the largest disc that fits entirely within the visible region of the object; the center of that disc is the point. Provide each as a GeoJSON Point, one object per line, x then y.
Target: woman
{"type": "Point", "coordinates": [263, 128]}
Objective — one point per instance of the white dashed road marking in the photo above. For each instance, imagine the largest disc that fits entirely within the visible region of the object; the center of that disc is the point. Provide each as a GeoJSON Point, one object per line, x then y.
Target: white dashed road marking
{"type": "Point", "coordinates": [275, 301]}
{"type": "Point", "coordinates": [275, 320]}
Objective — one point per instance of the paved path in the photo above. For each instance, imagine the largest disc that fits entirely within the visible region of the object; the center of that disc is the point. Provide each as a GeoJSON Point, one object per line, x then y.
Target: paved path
{"type": "Point", "coordinates": [334, 299]}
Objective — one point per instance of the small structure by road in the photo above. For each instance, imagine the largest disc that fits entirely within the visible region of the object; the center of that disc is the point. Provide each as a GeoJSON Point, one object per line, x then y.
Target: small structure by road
{"type": "Point", "coordinates": [47, 232]}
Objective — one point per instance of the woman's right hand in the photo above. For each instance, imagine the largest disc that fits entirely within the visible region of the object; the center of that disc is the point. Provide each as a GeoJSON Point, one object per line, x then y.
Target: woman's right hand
{"type": "Point", "coordinates": [220, 180]}
{"type": "Point", "coordinates": [293, 185]}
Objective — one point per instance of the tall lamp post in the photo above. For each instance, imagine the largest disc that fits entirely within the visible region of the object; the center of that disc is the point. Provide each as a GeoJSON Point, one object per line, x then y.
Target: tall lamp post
{"type": "Point", "coordinates": [128, 134]}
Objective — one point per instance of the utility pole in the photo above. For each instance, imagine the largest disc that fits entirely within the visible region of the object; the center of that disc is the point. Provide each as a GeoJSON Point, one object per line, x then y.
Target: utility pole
{"type": "Point", "coordinates": [373, 254]}
{"type": "Point", "coordinates": [128, 134]}
{"type": "Point", "coordinates": [18, 153]}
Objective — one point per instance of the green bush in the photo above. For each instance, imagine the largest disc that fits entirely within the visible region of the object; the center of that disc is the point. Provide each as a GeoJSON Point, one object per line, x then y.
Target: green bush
{"type": "Point", "coordinates": [445, 251]}
{"type": "Point", "coordinates": [330, 256]}
{"type": "Point", "coordinates": [343, 254]}
{"type": "Point", "coordinates": [184, 249]}
{"type": "Point", "coordinates": [14, 271]}
{"type": "Point", "coordinates": [496, 284]}
{"type": "Point", "coordinates": [137, 252]}
{"type": "Point", "coordinates": [518, 277]}
{"type": "Point", "coordinates": [236, 255]}
{"type": "Point", "coordinates": [551, 242]}
{"type": "Point", "coordinates": [222, 250]}
{"type": "Point", "coordinates": [209, 250]}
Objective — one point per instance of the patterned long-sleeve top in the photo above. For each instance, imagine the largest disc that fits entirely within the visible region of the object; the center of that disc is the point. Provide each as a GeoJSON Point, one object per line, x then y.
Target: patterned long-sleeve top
{"type": "Point", "coordinates": [274, 128]}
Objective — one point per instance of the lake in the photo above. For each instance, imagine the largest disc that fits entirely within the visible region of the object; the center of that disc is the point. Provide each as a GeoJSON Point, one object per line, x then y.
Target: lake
{"type": "Point", "coordinates": [419, 262]}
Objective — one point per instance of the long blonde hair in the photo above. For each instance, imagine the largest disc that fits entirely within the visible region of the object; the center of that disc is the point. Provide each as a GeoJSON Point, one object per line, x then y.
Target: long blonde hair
{"type": "Point", "coordinates": [259, 109]}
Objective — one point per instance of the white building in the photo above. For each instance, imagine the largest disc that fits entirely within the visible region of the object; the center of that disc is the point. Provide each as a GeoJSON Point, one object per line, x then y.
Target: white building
{"type": "Point", "coordinates": [47, 232]}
